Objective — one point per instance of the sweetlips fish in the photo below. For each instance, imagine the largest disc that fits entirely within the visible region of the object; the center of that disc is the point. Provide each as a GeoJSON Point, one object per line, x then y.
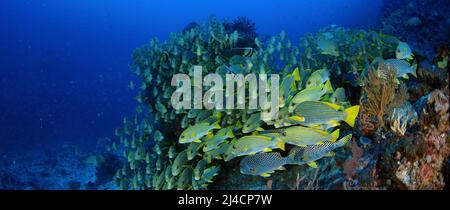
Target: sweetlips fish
{"type": "Point", "coordinates": [158, 136]}
{"type": "Point", "coordinates": [327, 47]}
{"type": "Point", "coordinates": [168, 172]}
{"type": "Point", "coordinates": [413, 22]}
{"type": "Point", "coordinates": [402, 67]}
{"type": "Point", "coordinates": [199, 168]}
{"type": "Point", "coordinates": [253, 144]}
{"type": "Point", "coordinates": [302, 136]}
{"type": "Point", "coordinates": [157, 149]}
{"type": "Point", "coordinates": [284, 119]}
{"type": "Point", "coordinates": [185, 122]}
{"type": "Point", "coordinates": [193, 113]}
{"type": "Point", "coordinates": [160, 107]}
{"type": "Point", "coordinates": [287, 86]}
{"type": "Point", "coordinates": [184, 181]}
{"type": "Point", "coordinates": [338, 96]}
{"type": "Point", "coordinates": [218, 138]}
{"type": "Point", "coordinates": [318, 78]}
{"type": "Point", "coordinates": [253, 123]}
{"type": "Point", "coordinates": [203, 115]}
{"type": "Point", "coordinates": [196, 132]}
{"type": "Point", "coordinates": [172, 182]}
{"type": "Point", "coordinates": [310, 94]}
{"type": "Point", "coordinates": [155, 180]}
{"type": "Point", "coordinates": [308, 155]}
{"type": "Point", "coordinates": [131, 85]}
{"type": "Point", "coordinates": [179, 162]}
{"type": "Point", "coordinates": [263, 164]}
{"type": "Point", "coordinates": [148, 182]}
{"type": "Point", "coordinates": [218, 152]}
{"type": "Point", "coordinates": [210, 173]}
{"type": "Point", "coordinates": [158, 163]}
{"type": "Point", "coordinates": [160, 180]}
{"type": "Point", "coordinates": [318, 113]}
{"type": "Point", "coordinates": [172, 152]}
{"type": "Point", "coordinates": [403, 52]}
{"type": "Point", "coordinates": [192, 150]}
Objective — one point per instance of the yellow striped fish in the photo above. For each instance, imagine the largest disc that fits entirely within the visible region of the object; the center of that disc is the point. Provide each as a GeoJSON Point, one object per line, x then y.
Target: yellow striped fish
{"type": "Point", "coordinates": [318, 113]}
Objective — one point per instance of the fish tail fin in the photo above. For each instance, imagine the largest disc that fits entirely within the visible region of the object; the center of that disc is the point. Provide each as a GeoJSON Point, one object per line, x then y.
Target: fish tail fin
{"type": "Point", "coordinates": [327, 87]}
{"type": "Point", "coordinates": [296, 74]}
{"type": "Point", "coordinates": [217, 125]}
{"type": "Point", "coordinates": [414, 71]}
{"type": "Point", "coordinates": [238, 125]}
{"type": "Point", "coordinates": [344, 140]}
{"type": "Point", "coordinates": [351, 114]}
{"type": "Point", "coordinates": [230, 133]}
{"type": "Point", "coordinates": [335, 135]}
{"type": "Point", "coordinates": [281, 145]}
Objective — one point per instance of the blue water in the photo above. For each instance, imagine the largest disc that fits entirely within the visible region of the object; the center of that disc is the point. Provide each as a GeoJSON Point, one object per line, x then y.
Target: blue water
{"type": "Point", "coordinates": [64, 64]}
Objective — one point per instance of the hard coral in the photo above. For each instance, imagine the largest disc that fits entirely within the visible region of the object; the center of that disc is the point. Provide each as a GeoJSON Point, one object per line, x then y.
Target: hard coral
{"type": "Point", "coordinates": [427, 171]}
{"type": "Point", "coordinates": [351, 164]}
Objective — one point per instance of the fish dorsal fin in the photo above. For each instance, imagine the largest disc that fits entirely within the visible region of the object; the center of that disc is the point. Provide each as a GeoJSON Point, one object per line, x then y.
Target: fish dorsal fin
{"type": "Point", "coordinates": [265, 175]}
{"type": "Point", "coordinates": [297, 118]}
{"type": "Point", "coordinates": [316, 126]}
{"type": "Point", "coordinates": [318, 130]}
{"type": "Point", "coordinates": [334, 106]}
{"type": "Point", "coordinates": [267, 150]}
{"type": "Point", "coordinates": [333, 123]}
{"type": "Point", "coordinates": [312, 164]}
{"type": "Point", "coordinates": [335, 135]}
{"type": "Point", "coordinates": [281, 168]}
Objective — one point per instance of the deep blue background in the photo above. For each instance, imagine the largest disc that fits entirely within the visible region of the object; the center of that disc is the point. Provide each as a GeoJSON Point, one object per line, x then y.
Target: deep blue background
{"type": "Point", "coordinates": [64, 64]}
